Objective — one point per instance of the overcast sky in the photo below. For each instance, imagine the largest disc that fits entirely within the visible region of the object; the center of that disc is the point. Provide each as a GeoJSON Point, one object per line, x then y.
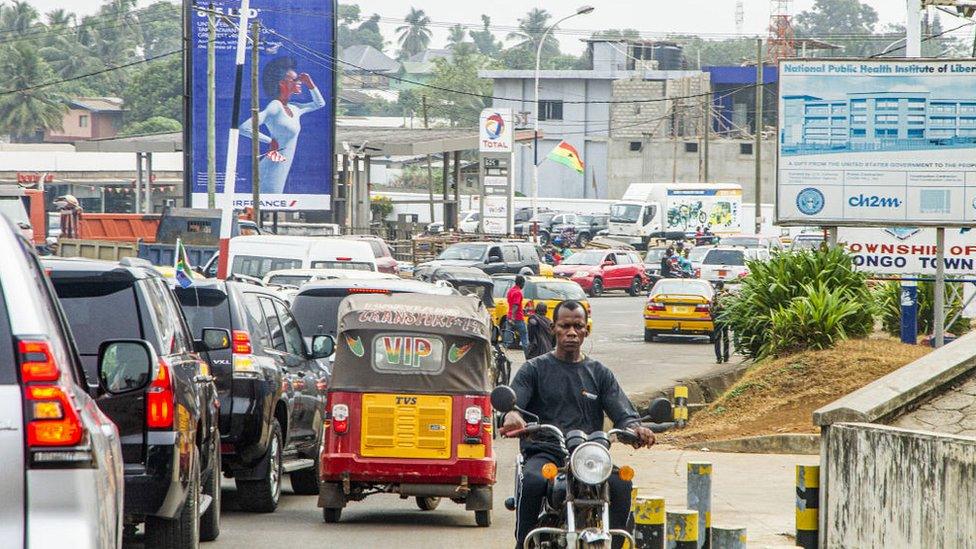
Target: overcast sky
{"type": "Point", "coordinates": [705, 17]}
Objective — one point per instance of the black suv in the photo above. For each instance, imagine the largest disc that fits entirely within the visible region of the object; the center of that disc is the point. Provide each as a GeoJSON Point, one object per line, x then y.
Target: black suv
{"type": "Point", "coordinates": [170, 442]}
{"type": "Point", "coordinates": [491, 257]}
{"type": "Point", "coordinates": [585, 226]}
{"type": "Point", "coordinates": [271, 389]}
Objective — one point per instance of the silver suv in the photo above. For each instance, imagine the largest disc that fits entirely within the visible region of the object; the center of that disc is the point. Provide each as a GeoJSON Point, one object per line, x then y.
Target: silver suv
{"type": "Point", "coordinates": [61, 477]}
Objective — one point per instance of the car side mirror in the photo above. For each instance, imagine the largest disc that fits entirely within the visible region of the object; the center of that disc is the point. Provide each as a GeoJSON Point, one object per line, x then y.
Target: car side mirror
{"type": "Point", "coordinates": [660, 410]}
{"type": "Point", "coordinates": [494, 259]}
{"type": "Point", "coordinates": [212, 339]}
{"type": "Point", "coordinates": [323, 346]}
{"type": "Point", "coordinates": [125, 366]}
{"type": "Point", "coordinates": [607, 264]}
{"type": "Point", "coordinates": [503, 399]}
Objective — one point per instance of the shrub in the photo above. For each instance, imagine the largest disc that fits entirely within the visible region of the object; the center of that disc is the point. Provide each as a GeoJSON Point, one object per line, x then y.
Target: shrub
{"type": "Point", "coordinates": [793, 289]}
{"type": "Point", "coordinates": [888, 296]}
{"type": "Point", "coordinates": [381, 207]}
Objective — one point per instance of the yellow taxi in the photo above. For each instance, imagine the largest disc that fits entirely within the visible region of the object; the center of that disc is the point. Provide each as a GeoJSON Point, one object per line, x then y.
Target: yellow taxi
{"type": "Point", "coordinates": [679, 306]}
{"type": "Point", "coordinates": [550, 291]}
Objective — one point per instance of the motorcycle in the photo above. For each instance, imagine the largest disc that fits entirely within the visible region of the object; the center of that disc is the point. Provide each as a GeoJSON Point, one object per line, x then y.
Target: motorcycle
{"type": "Point", "coordinates": [576, 510]}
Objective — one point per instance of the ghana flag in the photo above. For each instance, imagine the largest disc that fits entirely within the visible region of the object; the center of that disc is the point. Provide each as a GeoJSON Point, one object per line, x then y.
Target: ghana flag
{"type": "Point", "coordinates": [567, 155]}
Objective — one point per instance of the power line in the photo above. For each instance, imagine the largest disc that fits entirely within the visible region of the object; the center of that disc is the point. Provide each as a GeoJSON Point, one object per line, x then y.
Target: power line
{"type": "Point", "coordinates": [95, 73]}
{"type": "Point", "coordinates": [92, 21]}
{"type": "Point", "coordinates": [934, 36]}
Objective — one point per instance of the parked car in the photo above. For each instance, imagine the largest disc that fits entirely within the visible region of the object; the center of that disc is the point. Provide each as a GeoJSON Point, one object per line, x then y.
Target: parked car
{"type": "Point", "coordinates": [256, 256]}
{"type": "Point", "coordinates": [524, 213]}
{"type": "Point", "coordinates": [469, 221]}
{"type": "Point", "coordinates": [271, 389]}
{"type": "Point", "coordinates": [652, 261]}
{"type": "Point", "coordinates": [62, 468]}
{"type": "Point", "coordinates": [544, 220]}
{"type": "Point", "coordinates": [490, 257]}
{"type": "Point", "coordinates": [170, 441]}
{"type": "Point", "coordinates": [550, 291]}
{"type": "Point", "coordinates": [771, 243]}
{"type": "Point", "coordinates": [678, 306]}
{"type": "Point", "coordinates": [585, 226]}
{"type": "Point", "coordinates": [726, 264]}
{"type": "Point", "coordinates": [599, 270]}
{"type": "Point", "coordinates": [807, 241]}
{"type": "Point", "coordinates": [12, 206]}
{"type": "Point", "coordinates": [385, 262]}
{"type": "Point", "coordinates": [294, 278]}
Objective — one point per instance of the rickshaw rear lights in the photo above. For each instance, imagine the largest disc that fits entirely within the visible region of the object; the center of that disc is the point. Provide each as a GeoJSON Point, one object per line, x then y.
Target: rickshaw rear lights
{"type": "Point", "coordinates": [340, 419]}
{"type": "Point", "coordinates": [472, 421]}
{"type": "Point", "coordinates": [241, 343]}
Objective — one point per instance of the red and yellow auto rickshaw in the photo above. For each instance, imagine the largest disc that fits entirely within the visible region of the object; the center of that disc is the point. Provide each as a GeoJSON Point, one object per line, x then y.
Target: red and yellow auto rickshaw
{"type": "Point", "coordinates": [409, 410]}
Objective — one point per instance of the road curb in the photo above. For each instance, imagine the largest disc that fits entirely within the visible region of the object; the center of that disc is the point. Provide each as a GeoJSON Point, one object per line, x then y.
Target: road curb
{"type": "Point", "coordinates": [802, 444]}
{"type": "Point", "coordinates": [701, 390]}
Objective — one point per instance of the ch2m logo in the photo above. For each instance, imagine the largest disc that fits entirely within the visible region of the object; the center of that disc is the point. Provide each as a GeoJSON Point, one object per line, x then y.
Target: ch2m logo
{"type": "Point", "coordinates": [406, 401]}
{"type": "Point", "coordinates": [862, 201]}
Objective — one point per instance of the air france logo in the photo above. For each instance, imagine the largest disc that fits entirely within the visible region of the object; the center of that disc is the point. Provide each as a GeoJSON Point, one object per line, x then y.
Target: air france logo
{"type": "Point", "coordinates": [494, 126]}
{"type": "Point", "coordinates": [863, 201]}
{"type": "Point", "coordinates": [810, 201]}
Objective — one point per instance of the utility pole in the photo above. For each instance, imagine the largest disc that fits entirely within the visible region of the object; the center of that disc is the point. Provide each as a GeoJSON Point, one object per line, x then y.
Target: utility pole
{"type": "Point", "coordinates": [255, 125]}
{"type": "Point", "coordinates": [430, 171]}
{"type": "Point", "coordinates": [211, 108]}
{"type": "Point", "coordinates": [707, 107]}
{"type": "Point", "coordinates": [759, 126]}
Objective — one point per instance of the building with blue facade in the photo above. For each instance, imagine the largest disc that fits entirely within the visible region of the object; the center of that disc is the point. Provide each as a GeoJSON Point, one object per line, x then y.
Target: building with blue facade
{"type": "Point", "coordinates": [880, 121]}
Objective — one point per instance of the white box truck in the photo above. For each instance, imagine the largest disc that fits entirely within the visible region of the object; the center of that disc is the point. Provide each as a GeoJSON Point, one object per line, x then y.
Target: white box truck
{"type": "Point", "coordinates": [652, 210]}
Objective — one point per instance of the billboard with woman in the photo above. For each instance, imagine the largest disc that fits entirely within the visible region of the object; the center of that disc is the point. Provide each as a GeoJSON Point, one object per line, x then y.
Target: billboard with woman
{"type": "Point", "coordinates": [295, 97]}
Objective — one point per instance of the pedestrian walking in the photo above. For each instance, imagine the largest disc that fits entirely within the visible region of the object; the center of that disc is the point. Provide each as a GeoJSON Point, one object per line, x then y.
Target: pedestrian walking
{"type": "Point", "coordinates": [541, 339]}
{"type": "Point", "coordinates": [720, 331]}
{"type": "Point", "coordinates": [516, 316]}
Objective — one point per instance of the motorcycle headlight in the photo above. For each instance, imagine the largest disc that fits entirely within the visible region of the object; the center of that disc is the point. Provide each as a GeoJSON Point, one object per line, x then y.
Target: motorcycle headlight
{"type": "Point", "coordinates": [591, 463]}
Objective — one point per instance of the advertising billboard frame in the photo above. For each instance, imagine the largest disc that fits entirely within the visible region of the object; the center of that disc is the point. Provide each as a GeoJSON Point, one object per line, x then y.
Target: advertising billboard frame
{"type": "Point", "coordinates": [814, 198]}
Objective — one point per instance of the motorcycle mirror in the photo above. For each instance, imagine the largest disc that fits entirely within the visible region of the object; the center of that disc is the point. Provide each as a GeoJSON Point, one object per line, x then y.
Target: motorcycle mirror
{"type": "Point", "coordinates": [503, 399]}
{"type": "Point", "coordinates": [659, 410]}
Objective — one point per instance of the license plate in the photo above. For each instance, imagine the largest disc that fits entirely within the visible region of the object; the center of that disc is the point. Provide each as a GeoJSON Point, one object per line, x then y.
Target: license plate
{"type": "Point", "coordinates": [681, 310]}
{"type": "Point", "coordinates": [723, 273]}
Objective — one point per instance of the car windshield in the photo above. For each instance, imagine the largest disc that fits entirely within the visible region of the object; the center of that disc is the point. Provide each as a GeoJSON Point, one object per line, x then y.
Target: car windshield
{"type": "Point", "coordinates": [586, 219]}
{"type": "Point", "coordinates": [342, 265]}
{"type": "Point", "coordinates": [289, 280]}
{"type": "Point", "coordinates": [585, 258]}
{"type": "Point", "coordinates": [654, 255]}
{"type": "Point", "coordinates": [725, 257]}
{"type": "Point", "coordinates": [13, 208]}
{"type": "Point", "coordinates": [465, 252]}
{"type": "Point", "coordinates": [675, 286]}
{"type": "Point", "coordinates": [502, 286]}
{"type": "Point", "coordinates": [625, 213]}
{"type": "Point", "coordinates": [697, 254]}
{"type": "Point", "coordinates": [554, 290]}
{"type": "Point", "coordinates": [259, 266]}
{"type": "Point", "coordinates": [748, 241]}
{"type": "Point", "coordinates": [204, 308]}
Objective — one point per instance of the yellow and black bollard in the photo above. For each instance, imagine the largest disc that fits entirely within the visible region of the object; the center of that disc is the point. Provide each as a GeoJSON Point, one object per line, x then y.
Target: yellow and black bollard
{"type": "Point", "coordinates": [807, 505]}
{"type": "Point", "coordinates": [649, 523]}
{"type": "Point", "coordinates": [680, 405]}
{"type": "Point", "coordinates": [700, 499]}
{"type": "Point", "coordinates": [682, 529]}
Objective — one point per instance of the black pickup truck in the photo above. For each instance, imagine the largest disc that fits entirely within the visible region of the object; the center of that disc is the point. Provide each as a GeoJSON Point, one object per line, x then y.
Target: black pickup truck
{"type": "Point", "coordinates": [170, 442]}
{"type": "Point", "coordinates": [271, 389]}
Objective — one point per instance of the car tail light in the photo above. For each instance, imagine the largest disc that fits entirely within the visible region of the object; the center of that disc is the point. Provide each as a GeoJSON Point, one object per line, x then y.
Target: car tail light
{"type": "Point", "coordinates": [241, 343]}
{"type": "Point", "coordinates": [703, 308]}
{"type": "Point", "coordinates": [698, 273]}
{"type": "Point", "coordinates": [472, 421]}
{"type": "Point", "coordinates": [655, 306]}
{"type": "Point", "coordinates": [340, 419]}
{"type": "Point", "coordinates": [242, 354]}
{"type": "Point", "coordinates": [343, 259]}
{"type": "Point", "coordinates": [51, 419]}
{"type": "Point", "coordinates": [367, 291]}
{"type": "Point", "coordinates": [160, 399]}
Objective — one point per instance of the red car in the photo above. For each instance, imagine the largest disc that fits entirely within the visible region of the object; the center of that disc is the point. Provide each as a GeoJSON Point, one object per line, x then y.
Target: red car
{"type": "Point", "coordinates": [599, 270]}
{"type": "Point", "coordinates": [385, 263]}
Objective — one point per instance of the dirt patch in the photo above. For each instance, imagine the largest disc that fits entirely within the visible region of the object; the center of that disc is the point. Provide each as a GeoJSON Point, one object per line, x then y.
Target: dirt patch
{"type": "Point", "coordinates": [780, 396]}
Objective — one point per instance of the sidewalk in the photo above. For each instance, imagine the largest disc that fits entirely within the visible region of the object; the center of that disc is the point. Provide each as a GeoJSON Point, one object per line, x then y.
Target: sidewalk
{"type": "Point", "coordinates": [754, 491]}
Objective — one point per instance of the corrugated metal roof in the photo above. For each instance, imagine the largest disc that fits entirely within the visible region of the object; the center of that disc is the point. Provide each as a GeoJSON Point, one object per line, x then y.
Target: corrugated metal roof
{"type": "Point", "coordinates": [97, 104]}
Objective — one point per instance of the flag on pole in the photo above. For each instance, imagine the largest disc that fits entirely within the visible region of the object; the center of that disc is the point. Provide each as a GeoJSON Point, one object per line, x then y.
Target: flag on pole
{"type": "Point", "coordinates": [567, 155]}
{"type": "Point", "coordinates": [184, 274]}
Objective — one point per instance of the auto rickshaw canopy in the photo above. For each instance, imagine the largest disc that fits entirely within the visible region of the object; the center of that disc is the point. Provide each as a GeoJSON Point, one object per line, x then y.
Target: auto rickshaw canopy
{"type": "Point", "coordinates": [406, 343]}
{"type": "Point", "coordinates": [467, 281]}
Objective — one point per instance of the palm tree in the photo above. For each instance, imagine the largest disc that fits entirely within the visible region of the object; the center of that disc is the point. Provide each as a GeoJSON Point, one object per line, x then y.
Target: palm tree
{"type": "Point", "coordinates": [60, 18]}
{"type": "Point", "coordinates": [485, 40]}
{"type": "Point", "coordinates": [415, 35]}
{"type": "Point", "coordinates": [531, 29]}
{"type": "Point", "coordinates": [19, 17]}
{"type": "Point", "coordinates": [25, 112]}
{"type": "Point", "coordinates": [456, 36]}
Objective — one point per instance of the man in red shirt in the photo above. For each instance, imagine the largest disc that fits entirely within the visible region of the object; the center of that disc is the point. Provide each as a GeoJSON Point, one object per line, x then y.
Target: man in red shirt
{"type": "Point", "coordinates": [516, 316]}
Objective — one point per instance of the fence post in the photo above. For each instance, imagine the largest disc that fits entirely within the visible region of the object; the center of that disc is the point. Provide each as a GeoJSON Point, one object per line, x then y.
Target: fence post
{"type": "Point", "coordinates": [700, 499]}
{"type": "Point", "coordinates": [681, 405]}
{"type": "Point", "coordinates": [682, 529]}
{"type": "Point", "coordinates": [728, 538]}
{"type": "Point", "coordinates": [649, 523]}
{"type": "Point", "coordinates": [807, 505]}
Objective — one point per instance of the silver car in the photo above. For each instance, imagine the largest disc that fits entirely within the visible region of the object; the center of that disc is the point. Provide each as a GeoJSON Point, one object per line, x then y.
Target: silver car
{"type": "Point", "coordinates": [61, 472]}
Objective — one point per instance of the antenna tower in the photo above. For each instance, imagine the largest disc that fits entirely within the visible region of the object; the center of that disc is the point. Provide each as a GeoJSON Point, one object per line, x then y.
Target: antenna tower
{"type": "Point", "coordinates": [740, 17]}
{"type": "Point", "coordinates": [781, 38]}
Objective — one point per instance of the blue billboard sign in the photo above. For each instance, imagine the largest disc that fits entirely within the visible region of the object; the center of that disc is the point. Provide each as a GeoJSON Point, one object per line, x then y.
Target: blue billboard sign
{"type": "Point", "coordinates": [296, 83]}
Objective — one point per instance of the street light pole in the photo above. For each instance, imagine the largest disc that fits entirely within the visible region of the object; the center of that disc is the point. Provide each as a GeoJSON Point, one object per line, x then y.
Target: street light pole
{"type": "Point", "coordinates": [583, 10]}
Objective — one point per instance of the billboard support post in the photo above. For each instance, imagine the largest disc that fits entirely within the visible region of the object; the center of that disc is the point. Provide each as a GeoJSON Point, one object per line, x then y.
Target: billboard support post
{"type": "Point", "coordinates": [211, 108]}
{"type": "Point", "coordinates": [255, 123]}
{"type": "Point", "coordinates": [230, 173]}
{"type": "Point", "coordinates": [909, 312]}
{"type": "Point", "coordinates": [759, 125]}
{"type": "Point", "coordinates": [939, 297]}
{"type": "Point", "coordinates": [913, 29]}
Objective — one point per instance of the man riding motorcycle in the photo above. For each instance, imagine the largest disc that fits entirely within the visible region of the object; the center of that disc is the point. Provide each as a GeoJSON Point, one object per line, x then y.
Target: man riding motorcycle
{"type": "Point", "coordinates": [570, 391]}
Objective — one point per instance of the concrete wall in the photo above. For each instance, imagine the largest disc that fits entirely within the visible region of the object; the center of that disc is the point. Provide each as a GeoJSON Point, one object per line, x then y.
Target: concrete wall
{"type": "Point", "coordinates": [889, 487]}
{"type": "Point", "coordinates": [951, 412]}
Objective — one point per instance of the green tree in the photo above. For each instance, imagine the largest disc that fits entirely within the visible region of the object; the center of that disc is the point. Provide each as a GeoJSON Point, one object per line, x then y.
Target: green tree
{"type": "Point", "coordinates": [409, 102]}
{"type": "Point", "coordinates": [731, 51]}
{"type": "Point", "coordinates": [848, 23]}
{"type": "Point", "coordinates": [485, 40]}
{"type": "Point", "coordinates": [24, 112]}
{"type": "Point", "coordinates": [60, 18]}
{"type": "Point", "coordinates": [19, 17]}
{"type": "Point", "coordinates": [531, 29]}
{"type": "Point", "coordinates": [152, 126]}
{"type": "Point", "coordinates": [456, 36]}
{"type": "Point", "coordinates": [460, 73]}
{"type": "Point", "coordinates": [155, 91]}
{"type": "Point", "coordinates": [414, 37]}
{"type": "Point", "coordinates": [162, 28]}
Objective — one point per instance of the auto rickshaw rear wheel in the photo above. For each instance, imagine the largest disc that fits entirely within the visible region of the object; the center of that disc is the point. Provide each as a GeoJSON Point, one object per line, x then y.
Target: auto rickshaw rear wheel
{"type": "Point", "coordinates": [428, 503]}
{"type": "Point", "coordinates": [331, 515]}
{"type": "Point", "coordinates": [483, 518]}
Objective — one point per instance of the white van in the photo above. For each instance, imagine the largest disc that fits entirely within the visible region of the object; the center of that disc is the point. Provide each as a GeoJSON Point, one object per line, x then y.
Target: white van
{"type": "Point", "coordinates": [258, 255]}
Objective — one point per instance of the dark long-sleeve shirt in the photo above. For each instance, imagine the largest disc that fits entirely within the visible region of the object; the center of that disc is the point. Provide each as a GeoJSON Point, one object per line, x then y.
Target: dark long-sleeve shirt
{"type": "Point", "coordinates": [569, 396]}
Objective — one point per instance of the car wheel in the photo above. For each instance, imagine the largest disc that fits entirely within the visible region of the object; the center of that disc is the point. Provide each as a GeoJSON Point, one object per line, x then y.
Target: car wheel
{"type": "Point", "coordinates": [596, 290]}
{"type": "Point", "coordinates": [305, 482]}
{"type": "Point", "coordinates": [183, 531]}
{"type": "Point", "coordinates": [482, 518]}
{"type": "Point", "coordinates": [262, 495]}
{"type": "Point", "coordinates": [635, 287]}
{"type": "Point", "coordinates": [331, 515]}
{"type": "Point", "coordinates": [210, 521]}
{"type": "Point", "coordinates": [649, 336]}
{"type": "Point", "coordinates": [428, 503]}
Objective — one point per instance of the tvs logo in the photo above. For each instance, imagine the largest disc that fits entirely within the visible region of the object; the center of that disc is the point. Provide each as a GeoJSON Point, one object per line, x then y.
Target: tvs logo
{"type": "Point", "coordinates": [810, 201]}
{"type": "Point", "coordinates": [494, 126]}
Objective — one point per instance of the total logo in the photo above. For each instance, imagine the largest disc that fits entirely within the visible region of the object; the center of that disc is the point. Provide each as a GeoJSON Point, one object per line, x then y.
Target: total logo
{"type": "Point", "coordinates": [494, 126]}
{"type": "Point", "coordinates": [874, 201]}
